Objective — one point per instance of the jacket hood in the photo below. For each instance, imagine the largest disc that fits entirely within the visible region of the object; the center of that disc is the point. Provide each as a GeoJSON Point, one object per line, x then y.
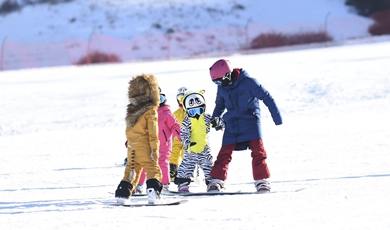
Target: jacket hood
{"type": "Point", "coordinates": [143, 95]}
{"type": "Point", "coordinates": [236, 82]}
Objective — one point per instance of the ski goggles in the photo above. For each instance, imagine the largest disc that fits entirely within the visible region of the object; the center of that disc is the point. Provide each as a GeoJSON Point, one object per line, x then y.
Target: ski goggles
{"type": "Point", "coordinates": [194, 111]}
{"type": "Point", "coordinates": [162, 98]}
{"type": "Point", "coordinates": [218, 81]}
{"type": "Point", "coordinates": [226, 76]}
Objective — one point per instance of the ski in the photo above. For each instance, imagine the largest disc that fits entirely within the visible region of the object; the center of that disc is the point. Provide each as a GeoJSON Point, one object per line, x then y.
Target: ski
{"type": "Point", "coordinates": [139, 194]}
{"type": "Point", "coordinates": [119, 164]}
{"type": "Point", "coordinates": [227, 193]}
{"type": "Point", "coordinates": [162, 194]}
{"type": "Point", "coordinates": [144, 194]}
{"type": "Point", "coordinates": [135, 194]}
{"type": "Point", "coordinates": [148, 205]}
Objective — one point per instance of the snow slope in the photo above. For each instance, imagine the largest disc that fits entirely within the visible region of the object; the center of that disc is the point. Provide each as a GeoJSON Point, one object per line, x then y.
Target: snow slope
{"type": "Point", "coordinates": [62, 130]}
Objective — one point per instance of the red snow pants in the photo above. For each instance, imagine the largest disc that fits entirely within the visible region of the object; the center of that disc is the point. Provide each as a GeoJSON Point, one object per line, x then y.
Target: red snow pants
{"type": "Point", "coordinates": [259, 166]}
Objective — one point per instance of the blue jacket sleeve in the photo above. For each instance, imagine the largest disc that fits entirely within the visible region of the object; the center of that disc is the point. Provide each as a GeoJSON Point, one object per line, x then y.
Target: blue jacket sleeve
{"type": "Point", "coordinates": [261, 93]}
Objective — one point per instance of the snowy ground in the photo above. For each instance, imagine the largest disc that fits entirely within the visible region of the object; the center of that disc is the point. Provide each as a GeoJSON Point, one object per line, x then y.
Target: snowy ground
{"type": "Point", "coordinates": [62, 130]}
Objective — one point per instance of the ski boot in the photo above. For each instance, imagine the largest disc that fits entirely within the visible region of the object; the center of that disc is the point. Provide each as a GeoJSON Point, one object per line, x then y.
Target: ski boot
{"type": "Point", "coordinates": [153, 196]}
{"type": "Point", "coordinates": [216, 185]}
{"type": "Point", "coordinates": [138, 189]}
{"type": "Point", "coordinates": [262, 186]}
{"type": "Point", "coordinates": [183, 188]}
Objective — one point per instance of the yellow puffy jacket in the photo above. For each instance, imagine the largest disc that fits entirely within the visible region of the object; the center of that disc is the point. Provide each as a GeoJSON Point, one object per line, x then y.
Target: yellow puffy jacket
{"type": "Point", "coordinates": [144, 133]}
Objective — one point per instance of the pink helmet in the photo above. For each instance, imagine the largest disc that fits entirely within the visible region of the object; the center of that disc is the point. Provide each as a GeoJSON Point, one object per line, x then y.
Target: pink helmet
{"type": "Point", "coordinates": [220, 68]}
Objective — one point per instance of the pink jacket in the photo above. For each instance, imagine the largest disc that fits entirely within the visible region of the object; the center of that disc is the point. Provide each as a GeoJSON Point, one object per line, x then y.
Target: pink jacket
{"type": "Point", "coordinates": [168, 126]}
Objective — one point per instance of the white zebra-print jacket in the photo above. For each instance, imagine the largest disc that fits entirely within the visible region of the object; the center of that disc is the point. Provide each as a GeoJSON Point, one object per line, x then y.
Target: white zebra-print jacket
{"type": "Point", "coordinates": [195, 133]}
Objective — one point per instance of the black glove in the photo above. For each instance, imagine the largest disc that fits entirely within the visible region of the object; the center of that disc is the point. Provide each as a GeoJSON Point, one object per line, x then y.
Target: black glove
{"type": "Point", "coordinates": [189, 144]}
{"type": "Point", "coordinates": [217, 123]}
{"type": "Point", "coordinates": [172, 171]}
{"type": "Point", "coordinates": [213, 123]}
{"type": "Point", "coordinates": [124, 189]}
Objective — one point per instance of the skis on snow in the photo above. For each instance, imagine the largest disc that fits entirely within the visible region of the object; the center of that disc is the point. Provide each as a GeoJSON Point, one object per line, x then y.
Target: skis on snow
{"type": "Point", "coordinates": [161, 203]}
{"type": "Point", "coordinates": [226, 193]}
{"type": "Point", "coordinates": [176, 193]}
{"type": "Point", "coordinates": [140, 203]}
{"type": "Point", "coordinates": [178, 202]}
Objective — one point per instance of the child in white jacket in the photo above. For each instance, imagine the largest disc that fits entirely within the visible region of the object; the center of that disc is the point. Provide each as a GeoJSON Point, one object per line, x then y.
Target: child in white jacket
{"type": "Point", "coordinates": [194, 135]}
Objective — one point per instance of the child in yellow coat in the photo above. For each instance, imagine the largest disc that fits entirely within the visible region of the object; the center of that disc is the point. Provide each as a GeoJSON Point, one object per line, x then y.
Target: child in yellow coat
{"type": "Point", "coordinates": [177, 147]}
{"type": "Point", "coordinates": [142, 138]}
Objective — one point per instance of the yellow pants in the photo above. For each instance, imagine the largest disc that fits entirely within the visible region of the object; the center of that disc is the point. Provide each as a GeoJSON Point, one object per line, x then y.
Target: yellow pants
{"type": "Point", "coordinates": [138, 160]}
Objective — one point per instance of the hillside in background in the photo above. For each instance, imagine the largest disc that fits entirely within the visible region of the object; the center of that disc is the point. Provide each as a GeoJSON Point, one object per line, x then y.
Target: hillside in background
{"type": "Point", "coordinates": [128, 19]}
{"type": "Point", "coordinates": [72, 32]}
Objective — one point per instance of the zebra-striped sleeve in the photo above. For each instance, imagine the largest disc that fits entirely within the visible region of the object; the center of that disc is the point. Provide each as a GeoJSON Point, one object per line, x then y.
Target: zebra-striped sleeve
{"type": "Point", "coordinates": [185, 130]}
{"type": "Point", "coordinates": [207, 120]}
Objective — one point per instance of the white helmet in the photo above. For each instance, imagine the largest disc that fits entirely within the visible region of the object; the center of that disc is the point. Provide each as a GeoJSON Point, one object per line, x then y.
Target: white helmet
{"type": "Point", "coordinates": [194, 103]}
{"type": "Point", "coordinates": [182, 90]}
{"type": "Point", "coordinates": [180, 95]}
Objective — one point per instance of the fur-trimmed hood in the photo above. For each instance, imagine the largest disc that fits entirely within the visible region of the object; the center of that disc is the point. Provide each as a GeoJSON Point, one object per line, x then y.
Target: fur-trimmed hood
{"type": "Point", "coordinates": [143, 95]}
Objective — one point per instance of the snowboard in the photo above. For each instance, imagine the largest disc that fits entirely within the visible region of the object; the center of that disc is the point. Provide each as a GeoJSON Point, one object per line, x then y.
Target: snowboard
{"type": "Point", "coordinates": [227, 193]}
{"type": "Point", "coordinates": [119, 164]}
{"type": "Point", "coordinates": [170, 203]}
{"type": "Point", "coordinates": [134, 195]}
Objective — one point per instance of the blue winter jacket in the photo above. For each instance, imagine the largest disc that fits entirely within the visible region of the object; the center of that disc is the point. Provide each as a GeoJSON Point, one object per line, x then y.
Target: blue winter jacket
{"type": "Point", "coordinates": [242, 118]}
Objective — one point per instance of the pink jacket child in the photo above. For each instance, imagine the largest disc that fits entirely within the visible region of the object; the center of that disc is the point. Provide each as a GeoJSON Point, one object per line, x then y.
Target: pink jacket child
{"type": "Point", "coordinates": [168, 127]}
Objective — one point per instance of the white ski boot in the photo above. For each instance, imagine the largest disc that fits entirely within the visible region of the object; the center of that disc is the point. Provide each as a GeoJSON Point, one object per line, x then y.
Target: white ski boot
{"type": "Point", "coordinates": [153, 196]}
{"type": "Point", "coordinates": [262, 186]}
{"type": "Point", "coordinates": [122, 200]}
{"type": "Point", "coordinates": [216, 185]}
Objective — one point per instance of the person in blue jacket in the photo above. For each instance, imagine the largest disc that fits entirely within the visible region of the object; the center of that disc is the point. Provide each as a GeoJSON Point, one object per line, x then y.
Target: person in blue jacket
{"type": "Point", "coordinates": [239, 95]}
